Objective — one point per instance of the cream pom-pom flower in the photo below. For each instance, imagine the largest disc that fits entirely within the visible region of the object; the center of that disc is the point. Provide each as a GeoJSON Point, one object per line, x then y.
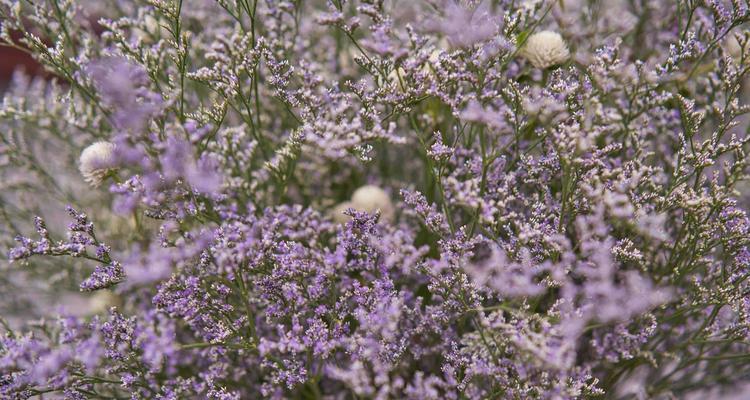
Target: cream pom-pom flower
{"type": "Point", "coordinates": [371, 198]}
{"type": "Point", "coordinates": [337, 213]}
{"type": "Point", "coordinates": [368, 198]}
{"type": "Point", "coordinates": [96, 162]}
{"type": "Point", "coordinates": [545, 49]}
{"type": "Point", "coordinates": [102, 301]}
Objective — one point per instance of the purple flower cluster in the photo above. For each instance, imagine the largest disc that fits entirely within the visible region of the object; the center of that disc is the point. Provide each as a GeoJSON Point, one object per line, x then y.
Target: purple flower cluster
{"type": "Point", "coordinates": [537, 199]}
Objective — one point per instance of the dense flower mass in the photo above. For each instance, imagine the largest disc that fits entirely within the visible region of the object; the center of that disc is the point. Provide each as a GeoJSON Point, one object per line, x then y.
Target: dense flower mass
{"type": "Point", "coordinates": [363, 199]}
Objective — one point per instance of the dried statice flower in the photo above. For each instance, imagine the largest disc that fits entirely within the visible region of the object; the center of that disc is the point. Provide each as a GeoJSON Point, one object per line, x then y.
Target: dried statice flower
{"type": "Point", "coordinates": [103, 277]}
{"type": "Point", "coordinates": [464, 25]}
{"type": "Point", "coordinates": [545, 49]}
{"type": "Point", "coordinates": [567, 229]}
{"type": "Point", "coordinates": [96, 162]}
{"type": "Point", "coordinates": [122, 86]}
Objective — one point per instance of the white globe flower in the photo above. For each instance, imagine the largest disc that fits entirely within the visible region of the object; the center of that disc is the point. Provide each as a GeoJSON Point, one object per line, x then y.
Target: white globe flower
{"type": "Point", "coordinates": [96, 162]}
{"type": "Point", "coordinates": [545, 49]}
{"type": "Point", "coordinates": [337, 213]}
{"type": "Point", "coordinates": [371, 198]}
{"type": "Point", "coordinates": [102, 300]}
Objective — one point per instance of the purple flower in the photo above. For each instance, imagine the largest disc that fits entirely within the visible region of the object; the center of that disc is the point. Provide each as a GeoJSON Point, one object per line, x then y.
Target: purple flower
{"type": "Point", "coordinates": [103, 277]}
{"type": "Point", "coordinates": [573, 221]}
{"type": "Point", "coordinates": [122, 87]}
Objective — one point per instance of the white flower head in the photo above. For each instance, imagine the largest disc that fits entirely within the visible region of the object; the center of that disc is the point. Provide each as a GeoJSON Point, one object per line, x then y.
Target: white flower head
{"type": "Point", "coordinates": [545, 49]}
{"type": "Point", "coordinates": [371, 198]}
{"type": "Point", "coordinates": [96, 162]}
{"type": "Point", "coordinates": [337, 213]}
{"type": "Point", "coordinates": [102, 301]}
